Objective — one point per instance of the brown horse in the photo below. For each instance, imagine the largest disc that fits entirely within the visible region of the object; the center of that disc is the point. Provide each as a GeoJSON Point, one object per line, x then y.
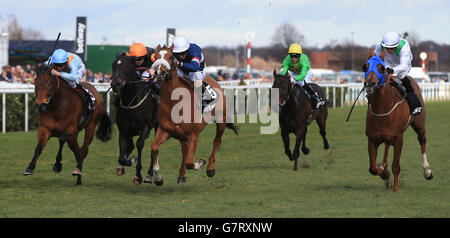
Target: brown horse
{"type": "Point", "coordinates": [182, 119]}
{"type": "Point", "coordinates": [296, 114]}
{"type": "Point", "coordinates": [60, 115]}
{"type": "Point", "coordinates": [388, 117]}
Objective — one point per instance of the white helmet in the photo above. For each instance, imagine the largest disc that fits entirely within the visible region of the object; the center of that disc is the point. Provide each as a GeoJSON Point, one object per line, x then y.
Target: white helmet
{"type": "Point", "coordinates": [390, 40]}
{"type": "Point", "coordinates": [180, 44]}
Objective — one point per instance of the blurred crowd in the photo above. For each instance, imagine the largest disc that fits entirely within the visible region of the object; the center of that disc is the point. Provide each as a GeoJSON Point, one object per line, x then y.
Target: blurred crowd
{"type": "Point", "coordinates": [26, 74]}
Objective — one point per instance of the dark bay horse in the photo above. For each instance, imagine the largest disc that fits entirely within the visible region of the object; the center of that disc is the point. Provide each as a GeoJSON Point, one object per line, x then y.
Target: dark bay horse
{"type": "Point", "coordinates": [60, 115]}
{"type": "Point", "coordinates": [136, 113]}
{"type": "Point", "coordinates": [192, 122]}
{"type": "Point", "coordinates": [296, 114]}
{"type": "Point", "coordinates": [388, 117]}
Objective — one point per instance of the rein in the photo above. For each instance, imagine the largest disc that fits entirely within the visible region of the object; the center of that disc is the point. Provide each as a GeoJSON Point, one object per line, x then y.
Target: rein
{"type": "Point", "coordinates": [291, 87]}
{"type": "Point", "coordinates": [126, 82]}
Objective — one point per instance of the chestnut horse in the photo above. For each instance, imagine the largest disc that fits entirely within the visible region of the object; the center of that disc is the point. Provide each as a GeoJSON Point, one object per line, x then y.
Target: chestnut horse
{"type": "Point", "coordinates": [388, 117]}
{"type": "Point", "coordinates": [296, 114]}
{"type": "Point", "coordinates": [61, 115]}
{"type": "Point", "coordinates": [192, 122]}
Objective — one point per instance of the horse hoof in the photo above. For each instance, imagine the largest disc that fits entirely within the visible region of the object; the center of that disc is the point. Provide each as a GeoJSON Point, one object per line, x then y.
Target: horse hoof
{"type": "Point", "coordinates": [28, 172]}
{"type": "Point", "coordinates": [181, 180]}
{"type": "Point", "coordinates": [137, 180]}
{"type": "Point", "coordinates": [210, 173]}
{"type": "Point", "coordinates": [159, 183]}
{"type": "Point", "coordinates": [305, 150]}
{"type": "Point", "coordinates": [120, 171]}
{"type": "Point", "coordinates": [199, 163]}
{"type": "Point", "coordinates": [148, 179]}
{"type": "Point", "coordinates": [326, 146]}
{"type": "Point", "coordinates": [429, 177]}
{"type": "Point", "coordinates": [76, 172]}
{"type": "Point", "coordinates": [57, 168]}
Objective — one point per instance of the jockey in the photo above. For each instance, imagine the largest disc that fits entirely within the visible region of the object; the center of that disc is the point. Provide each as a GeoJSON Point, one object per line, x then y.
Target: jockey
{"type": "Point", "coordinates": [142, 57]}
{"type": "Point", "coordinates": [297, 65]}
{"type": "Point", "coordinates": [190, 61]}
{"type": "Point", "coordinates": [398, 60]}
{"type": "Point", "coordinates": [71, 68]}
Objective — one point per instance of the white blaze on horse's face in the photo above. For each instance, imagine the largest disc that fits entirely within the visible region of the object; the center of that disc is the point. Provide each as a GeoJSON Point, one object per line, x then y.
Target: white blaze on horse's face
{"type": "Point", "coordinates": [161, 62]}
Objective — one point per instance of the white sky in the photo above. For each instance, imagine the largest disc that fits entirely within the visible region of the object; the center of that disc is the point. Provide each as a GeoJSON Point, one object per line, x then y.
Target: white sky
{"type": "Point", "coordinates": [224, 23]}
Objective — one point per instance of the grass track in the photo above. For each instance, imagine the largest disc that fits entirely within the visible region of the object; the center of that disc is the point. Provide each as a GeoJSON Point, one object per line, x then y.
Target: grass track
{"type": "Point", "coordinates": [253, 178]}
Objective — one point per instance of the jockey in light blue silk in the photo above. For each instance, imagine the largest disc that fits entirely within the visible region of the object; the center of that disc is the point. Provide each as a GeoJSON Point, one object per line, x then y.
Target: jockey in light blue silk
{"type": "Point", "coordinates": [71, 68]}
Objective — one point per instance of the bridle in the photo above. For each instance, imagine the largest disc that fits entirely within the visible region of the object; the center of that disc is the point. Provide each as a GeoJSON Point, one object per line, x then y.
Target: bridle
{"type": "Point", "coordinates": [125, 82]}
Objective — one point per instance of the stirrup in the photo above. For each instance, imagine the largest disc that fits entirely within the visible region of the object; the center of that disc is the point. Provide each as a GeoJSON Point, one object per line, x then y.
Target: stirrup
{"type": "Point", "coordinates": [417, 111]}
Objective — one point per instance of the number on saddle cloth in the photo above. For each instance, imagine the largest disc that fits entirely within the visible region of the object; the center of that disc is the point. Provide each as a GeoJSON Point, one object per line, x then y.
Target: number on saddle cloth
{"type": "Point", "coordinates": [209, 97]}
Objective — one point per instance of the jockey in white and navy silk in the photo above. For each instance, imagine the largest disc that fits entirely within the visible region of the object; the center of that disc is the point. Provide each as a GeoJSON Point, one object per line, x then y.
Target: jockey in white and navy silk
{"type": "Point", "coordinates": [189, 59]}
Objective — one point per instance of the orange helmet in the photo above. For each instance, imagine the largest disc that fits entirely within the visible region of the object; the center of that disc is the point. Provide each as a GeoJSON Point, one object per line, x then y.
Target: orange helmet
{"type": "Point", "coordinates": [137, 50]}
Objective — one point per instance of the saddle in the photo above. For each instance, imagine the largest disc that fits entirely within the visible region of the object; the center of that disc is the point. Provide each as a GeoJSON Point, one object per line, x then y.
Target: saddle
{"type": "Point", "coordinates": [87, 99]}
{"type": "Point", "coordinates": [209, 95]}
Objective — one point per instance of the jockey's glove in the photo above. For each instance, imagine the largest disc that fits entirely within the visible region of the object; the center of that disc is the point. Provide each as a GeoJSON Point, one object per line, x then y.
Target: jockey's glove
{"type": "Point", "coordinates": [389, 70]}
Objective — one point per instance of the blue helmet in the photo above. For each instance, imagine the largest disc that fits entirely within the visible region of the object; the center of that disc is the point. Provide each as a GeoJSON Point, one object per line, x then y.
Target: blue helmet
{"type": "Point", "coordinates": [59, 56]}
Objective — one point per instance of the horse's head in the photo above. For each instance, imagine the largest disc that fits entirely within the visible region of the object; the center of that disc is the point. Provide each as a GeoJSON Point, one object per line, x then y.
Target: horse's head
{"type": "Point", "coordinates": [45, 86]}
{"type": "Point", "coordinates": [283, 84]}
{"type": "Point", "coordinates": [374, 69]}
{"type": "Point", "coordinates": [123, 70]}
{"type": "Point", "coordinates": [164, 63]}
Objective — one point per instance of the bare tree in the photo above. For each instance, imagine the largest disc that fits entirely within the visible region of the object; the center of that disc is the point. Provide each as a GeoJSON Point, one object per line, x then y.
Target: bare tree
{"type": "Point", "coordinates": [16, 32]}
{"type": "Point", "coordinates": [285, 35]}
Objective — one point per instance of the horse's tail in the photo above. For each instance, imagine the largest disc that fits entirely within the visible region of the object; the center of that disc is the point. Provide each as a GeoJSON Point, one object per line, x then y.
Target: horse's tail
{"type": "Point", "coordinates": [233, 127]}
{"type": "Point", "coordinates": [104, 129]}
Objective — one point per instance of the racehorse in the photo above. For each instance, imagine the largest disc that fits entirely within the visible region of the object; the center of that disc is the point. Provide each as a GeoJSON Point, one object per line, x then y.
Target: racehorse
{"type": "Point", "coordinates": [186, 130]}
{"type": "Point", "coordinates": [295, 114]}
{"type": "Point", "coordinates": [135, 116]}
{"type": "Point", "coordinates": [388, 117]}
{"type": "Point", "coordinates": [61, 115]}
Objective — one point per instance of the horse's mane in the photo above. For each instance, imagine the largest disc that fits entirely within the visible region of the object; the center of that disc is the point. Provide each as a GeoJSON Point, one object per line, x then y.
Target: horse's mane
{"type": "Point", "coordinates": [42, 69]}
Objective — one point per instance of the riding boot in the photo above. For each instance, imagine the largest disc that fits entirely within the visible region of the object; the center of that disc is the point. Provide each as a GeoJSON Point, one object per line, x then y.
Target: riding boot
{"type": "Point", "coordinates": [316, 101]}
{"type": "Point", "coordinates": [413, 101]}
{"type": "Point", "coordinates": [90, 99]}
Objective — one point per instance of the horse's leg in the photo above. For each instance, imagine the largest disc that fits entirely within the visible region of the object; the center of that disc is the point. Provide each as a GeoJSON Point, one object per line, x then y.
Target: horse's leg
{"type": "Point", "coordinates": [126, 146]}
{"type": "Point", "coordinates": [188, 161]}
{"type": "Point", "coordinates": [43, 136]}
{"type": "Point", "coordinates": [57, 167]}
{"type": "Point", "coordinates": [322, 123]}
{"type": "Point", "coordinates": [372, 148]}
{"type": "Point", "coordinates": [382, 168]}
{"type": "Point", "coordinates": [305, 149]}
{"type": "Point", "coordinates": [161, 137]}
{"type": "Point", "coordinates": [419, 127]}
{"type": "Point", "coordinates": [75, 147]}
{"type": "Point", "coordinates": [211, 169]}
{"type": "Point", "coordinates": [398, 145]}
{"type": "Point", "coordinates": [184, 153]}
{"type": "Point", "coordinates": [286, 142]}
{"type": "Point", "coordinates": [88, 137]}
{"type": "Point", "coordinates": [149, 177]}
{"type": "Point", "coordinates": [139, 145]}
{"type": "Point", "coordinates": [299, 137]}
